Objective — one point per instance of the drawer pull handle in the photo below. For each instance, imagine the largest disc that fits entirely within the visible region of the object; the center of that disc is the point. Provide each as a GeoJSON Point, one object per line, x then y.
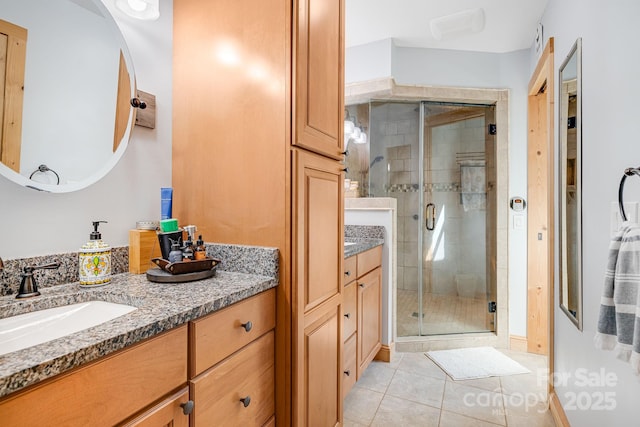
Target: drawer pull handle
{"type": "Point", "coordinates": [347, 372]}
{"type": "Point", "coordinates": [361, 285]}
{"type": "Point", "coordinates": [187, 407]}
{"type": "Point", "coordinates": [347, 273]}
{"type": "Point", "coordinates": [246, 401]}
{"type": "Point", "coordinates": [247, 326]}
{"type": "Point", "coordinates": [347, 315]}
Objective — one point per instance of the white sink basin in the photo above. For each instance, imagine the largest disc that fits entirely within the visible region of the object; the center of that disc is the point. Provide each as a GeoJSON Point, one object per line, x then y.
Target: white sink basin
{"type": "Point", "coordinates": [37, 327]}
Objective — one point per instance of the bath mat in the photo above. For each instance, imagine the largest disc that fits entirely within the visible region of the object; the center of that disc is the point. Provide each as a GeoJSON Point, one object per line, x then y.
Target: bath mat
{"type": "Point", "coordinates": [475, 362]}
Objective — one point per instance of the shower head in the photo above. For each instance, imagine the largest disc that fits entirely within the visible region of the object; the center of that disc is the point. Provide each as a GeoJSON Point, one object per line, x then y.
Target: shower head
{"type": "Point", "coordinates": [376, 160]}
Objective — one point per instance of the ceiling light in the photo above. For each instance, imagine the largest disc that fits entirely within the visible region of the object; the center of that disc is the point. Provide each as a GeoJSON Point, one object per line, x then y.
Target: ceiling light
{"type": "Point", "coordinates": [465, 22]}
{"type": "Point", "coordinates": [140, 9]}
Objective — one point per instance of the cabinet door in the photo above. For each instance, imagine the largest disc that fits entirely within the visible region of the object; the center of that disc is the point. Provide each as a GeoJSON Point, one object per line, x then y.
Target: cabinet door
{"type": "Point", "coordinates": [319, 74]}
{"type": "Point", "coordinates": [323, 368]}
{"type": "Point", "coordinates": [369, 318]}
{"type": "Point", "coordinates": [169, 412]}
{"type": "Point", "coordinates": [318, 228]}
{"type": "Point", "coordinates": [317, 290]}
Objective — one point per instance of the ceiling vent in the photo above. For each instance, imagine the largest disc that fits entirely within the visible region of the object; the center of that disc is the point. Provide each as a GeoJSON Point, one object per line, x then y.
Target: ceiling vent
{"type": "Point", "coordinates": [465, 22]}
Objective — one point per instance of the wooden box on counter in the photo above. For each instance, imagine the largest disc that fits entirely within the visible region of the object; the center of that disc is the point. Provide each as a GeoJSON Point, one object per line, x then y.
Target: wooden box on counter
{"type": "Point", "coordinates": [143, 245]}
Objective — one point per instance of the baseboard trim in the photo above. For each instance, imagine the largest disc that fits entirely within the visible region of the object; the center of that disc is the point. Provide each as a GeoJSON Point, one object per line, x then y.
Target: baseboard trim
{"type": "Point", "coordinates": [517, 343]}
{"type": "Point", "coordinates": [557, 411]}
{"type": "Point", "coordinates": [385, 353]}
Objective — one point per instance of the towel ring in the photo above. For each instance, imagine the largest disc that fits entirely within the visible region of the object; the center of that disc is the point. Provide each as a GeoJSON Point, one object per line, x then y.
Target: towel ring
{"type": "Point", "coordinates": [627, 172]}
{"type": "Point", "coordinates": [44, 168]}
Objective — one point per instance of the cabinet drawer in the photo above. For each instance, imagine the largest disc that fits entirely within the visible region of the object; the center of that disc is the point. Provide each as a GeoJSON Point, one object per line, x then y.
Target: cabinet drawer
{"type": "Point", "coordinates": [349, 364]}
{"type": "Point", "coordinates": [248, 374]}
{"type": "Point", "coordinates": [369, 260]}
{"type": "Point", "coordinates": [349, 304]}
{"type": "Point", "coordinates": [350, 269]}
{"type": "Point", "coordinates": [220, 334]}
{"type": "Point", "coordinates": [169, 412]}
{"type": "Point", "coordinates": [105, 392]}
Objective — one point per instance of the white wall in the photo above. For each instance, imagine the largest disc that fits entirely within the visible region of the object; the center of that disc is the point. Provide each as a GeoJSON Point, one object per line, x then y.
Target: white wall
{"type": "Point", "coordinates": [435, 67]}
{"type": "Point", "coordinates": [610, 89]}
{"type": "Point", "coordinates": [35, 223]}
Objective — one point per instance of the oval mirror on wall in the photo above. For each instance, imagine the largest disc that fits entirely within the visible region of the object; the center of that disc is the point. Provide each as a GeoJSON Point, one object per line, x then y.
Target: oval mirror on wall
{"type": "Point", "coordinates": [65, 89]}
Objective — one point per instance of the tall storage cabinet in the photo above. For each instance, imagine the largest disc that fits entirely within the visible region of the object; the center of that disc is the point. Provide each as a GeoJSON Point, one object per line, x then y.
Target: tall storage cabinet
{"type": "Point", "coordinates": [257, 147]}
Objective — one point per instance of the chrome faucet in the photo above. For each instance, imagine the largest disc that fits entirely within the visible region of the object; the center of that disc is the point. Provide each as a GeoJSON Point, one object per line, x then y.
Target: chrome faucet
{"type": "Point", "coordinates": [28, 286]}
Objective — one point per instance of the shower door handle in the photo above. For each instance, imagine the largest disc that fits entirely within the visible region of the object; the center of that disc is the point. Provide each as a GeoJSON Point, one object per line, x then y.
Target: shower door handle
{"type": "Point", "coordinates": [430, 214]}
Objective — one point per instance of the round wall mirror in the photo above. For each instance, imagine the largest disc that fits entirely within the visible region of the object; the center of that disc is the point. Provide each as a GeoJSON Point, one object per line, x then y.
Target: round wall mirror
{"type": "Point", "coordinates": [66, 81]}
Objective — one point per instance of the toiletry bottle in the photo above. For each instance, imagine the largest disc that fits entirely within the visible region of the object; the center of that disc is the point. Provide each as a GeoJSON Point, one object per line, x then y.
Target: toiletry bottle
{"type": "Point", "coordinates": [94, 260]}
{"type": "Point", "coordinates": [176, 253]}
{"type": "Point", "coordinates": [187, 252]}
{"type": "Point", "coordinates": [200, 251]}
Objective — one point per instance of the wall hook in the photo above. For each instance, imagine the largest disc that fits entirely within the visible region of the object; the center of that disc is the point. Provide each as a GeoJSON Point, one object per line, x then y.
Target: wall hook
{"type": "Point", "coordinates": [137, 103]}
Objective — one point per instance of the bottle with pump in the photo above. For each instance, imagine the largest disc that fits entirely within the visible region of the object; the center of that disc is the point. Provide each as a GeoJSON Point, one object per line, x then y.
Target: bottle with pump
{"type": "Point", "coordinates": [94, 260]}
{"type": "Point", "coordinates": [200, 251]}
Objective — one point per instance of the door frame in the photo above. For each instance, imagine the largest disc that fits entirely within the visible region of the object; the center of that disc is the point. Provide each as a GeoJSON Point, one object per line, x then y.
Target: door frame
{"type": "Point", "coordinates": [541, 220]}
{"type": "Point", "coordinates": [387, 89]}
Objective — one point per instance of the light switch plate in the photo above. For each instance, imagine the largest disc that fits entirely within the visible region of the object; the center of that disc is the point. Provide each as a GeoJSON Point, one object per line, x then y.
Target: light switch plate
{"type": "Point", "coordinates": [518, 222]}
{"type": "Point", "coordinates": [630, 209]}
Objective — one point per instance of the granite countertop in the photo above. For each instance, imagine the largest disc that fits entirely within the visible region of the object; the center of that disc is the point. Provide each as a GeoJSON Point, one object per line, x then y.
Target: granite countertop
{"type": "Point", "coordinates": [361, 238]}
{"type": "Point", "coordinates": [160, 307]}
{"type": "Point", "coordinates": [355, 245]}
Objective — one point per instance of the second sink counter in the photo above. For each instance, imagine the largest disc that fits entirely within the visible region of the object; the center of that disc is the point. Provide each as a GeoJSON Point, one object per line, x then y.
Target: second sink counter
{"type": "Point", "coordinates": [360, 238]}
{"type": "Point", "coordinates": [160, 307]}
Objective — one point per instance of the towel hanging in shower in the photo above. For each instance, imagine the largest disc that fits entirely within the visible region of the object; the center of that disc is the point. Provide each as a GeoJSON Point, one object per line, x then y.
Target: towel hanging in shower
{"type": "Point", "coordinates": [618, 323]}
{"type": "Point", "coordinates": [472, 185]}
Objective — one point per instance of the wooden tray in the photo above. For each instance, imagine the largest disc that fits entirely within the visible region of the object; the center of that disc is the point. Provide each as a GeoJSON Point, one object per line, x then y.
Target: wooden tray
{"type": "Point", "coordinates": [160, 276]}
{"type": "Point", "coordinates": [183, 267]}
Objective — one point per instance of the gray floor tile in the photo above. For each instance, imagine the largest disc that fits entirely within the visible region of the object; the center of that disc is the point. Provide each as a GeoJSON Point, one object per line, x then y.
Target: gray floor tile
{"type": "Point", "coordinates": [474, 402]}
{"type": "Point", "coordinates": [417, 388]}
{"type": "Point", "coordinates": [361, 404]}
{"type": "Point", "coordinates": [400, 412]}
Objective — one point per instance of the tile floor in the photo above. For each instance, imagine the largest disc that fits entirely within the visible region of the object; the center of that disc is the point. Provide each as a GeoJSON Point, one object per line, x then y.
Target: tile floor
{"type": "Point", "coordinates": [443, 314]}
{"type": "Point", "coordinates": [411, 390]}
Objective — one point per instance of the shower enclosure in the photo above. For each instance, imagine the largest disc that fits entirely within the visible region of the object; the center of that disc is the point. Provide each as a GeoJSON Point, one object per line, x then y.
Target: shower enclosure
{"type": "Point", "coordinates": [438, 160]}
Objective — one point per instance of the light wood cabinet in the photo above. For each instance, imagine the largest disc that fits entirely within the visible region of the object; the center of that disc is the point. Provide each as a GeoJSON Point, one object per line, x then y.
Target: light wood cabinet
{"type": "Point", "coordinates": [256, 161]}
{"type": "Point", "coordinates": [369, 318]}
{"type": "Point", "coordinates": [171, 412]}
{"type": "Point", "coordinates": [232, 364]}
{"type": "Point", "coordinates": [105, 392]}
{"type": "Point", "coordinates": [319, 84]}
{"type": "Point", "coordinates": [362, 300]}
{"type": "Point", "coordinates": [317, 265]}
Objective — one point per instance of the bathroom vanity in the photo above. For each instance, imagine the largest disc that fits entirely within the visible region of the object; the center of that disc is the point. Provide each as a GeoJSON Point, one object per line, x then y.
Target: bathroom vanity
{"type": "Point", "coordinates": [362, 301]}
{"type": "Point", "coordinates": [198, 353]}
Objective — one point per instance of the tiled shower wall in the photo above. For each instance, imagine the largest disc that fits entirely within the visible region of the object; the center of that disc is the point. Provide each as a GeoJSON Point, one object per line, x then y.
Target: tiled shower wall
{"type": "Point", "coordinates": [395, 136]}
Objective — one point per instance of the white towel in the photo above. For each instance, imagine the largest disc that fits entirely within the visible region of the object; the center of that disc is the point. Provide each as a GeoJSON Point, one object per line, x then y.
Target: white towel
{"type": "Point", "coordinates": [618, 324]}
{"type": "Point", "coordinates": [472, 185]}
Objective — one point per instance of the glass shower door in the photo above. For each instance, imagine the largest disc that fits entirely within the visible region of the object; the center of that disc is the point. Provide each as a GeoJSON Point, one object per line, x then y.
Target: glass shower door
{"type": "Point", "coordinates": [458, 207]}
{"type": "Point", "coordinates": [437, 160]}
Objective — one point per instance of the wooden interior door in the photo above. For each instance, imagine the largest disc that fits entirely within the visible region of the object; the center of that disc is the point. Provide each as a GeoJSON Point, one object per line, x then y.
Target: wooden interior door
{"type": "Point", "coordinates": [13, 55]}
{"type": "Point", "coordinates": [540, 206]}
{"type": "Point", "coordinates": [319, 53]}
{"type": "Point", "coordinates": [317, 289]}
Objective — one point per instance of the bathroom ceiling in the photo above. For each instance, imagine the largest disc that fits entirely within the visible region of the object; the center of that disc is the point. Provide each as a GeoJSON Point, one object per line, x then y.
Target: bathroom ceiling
{"type": "Point", "coordinates": [510, 24]}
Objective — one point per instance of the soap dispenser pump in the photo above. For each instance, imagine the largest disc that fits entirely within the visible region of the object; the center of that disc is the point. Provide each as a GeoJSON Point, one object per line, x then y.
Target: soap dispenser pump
{"type": "Point", "coordinates": [94, 263]}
